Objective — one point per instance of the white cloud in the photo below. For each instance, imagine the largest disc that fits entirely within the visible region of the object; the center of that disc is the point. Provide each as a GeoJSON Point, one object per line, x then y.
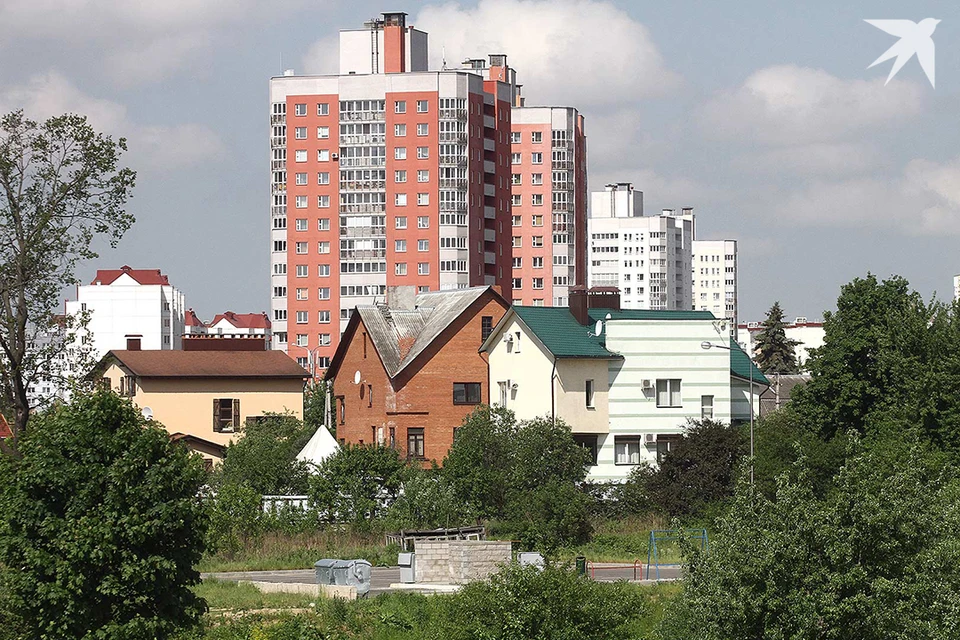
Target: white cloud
{"type": "Point", "coordinates": [137, 40]}
{"type": "Point", "coordinates": [818, 158]}
{"type": "Point", "coordinates": [790, 105]}
{"type": "Point", "coordinates": [583, 53]}
{"type": "Point", "coordinates": [163, 147]}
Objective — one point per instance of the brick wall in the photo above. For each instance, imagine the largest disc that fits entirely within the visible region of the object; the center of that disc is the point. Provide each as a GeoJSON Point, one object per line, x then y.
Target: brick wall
{"type": "Point", "coordinates": [422, 395]}
{"type": "Point", "coordinates": [456, 561]}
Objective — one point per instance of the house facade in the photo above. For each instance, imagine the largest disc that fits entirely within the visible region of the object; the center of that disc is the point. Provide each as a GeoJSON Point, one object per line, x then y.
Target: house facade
{"type": "Point", "coordinates": [407, 372]}
{"type": "Point", "coordinates": [627, 390]}
{"type": "Point", "coordinates": [205, 395]}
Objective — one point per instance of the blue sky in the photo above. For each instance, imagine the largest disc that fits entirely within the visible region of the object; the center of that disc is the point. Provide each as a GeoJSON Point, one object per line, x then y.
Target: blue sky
{"type": "Point", "coordinates": [762, 116]}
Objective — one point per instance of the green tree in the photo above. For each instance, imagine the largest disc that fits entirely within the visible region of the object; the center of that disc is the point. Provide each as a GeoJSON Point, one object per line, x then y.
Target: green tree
{"type": "Point", "coordinates": [357, 484]}
{"type": "Point", "coordinates": [102, 525]}
{"type": "Point", "coordinates": [699, 472]}
{"type": "Point", "coordinates": [265, 458]}
{"type": "Point", "coordinates": [480, 462]}
{"type": "Point", "coordinates": [315, 406]}
{"type": "Point", "coordinates": [774, 351]}
{"type": "Point", "coordinates": [879, 557]}
{"type": "Point", "coordinates": [428, 501]}
{"type": "Point", "coordinates": [61, 186]}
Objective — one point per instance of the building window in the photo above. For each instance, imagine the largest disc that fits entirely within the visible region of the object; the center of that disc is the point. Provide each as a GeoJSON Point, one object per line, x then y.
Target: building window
{"type": "Point", "coordinates": [466, 393]}
{"type": "Point", "coordinates": [423, 222]}
{"type": "Point", "coordinates": [590, 444]}
{"type": "Point", "coordinates": [323, 202]}
{"type": "Point", "coordinates": [588, 394]}
{"type": "Point", "coordinates": [514, 158]}
{"type": "Point", "coordinates": [400, 246]}
{"type": "Point", "coordinates": [323, 293]}
{"type": "Point", "coordinates": [300, 133]}
{"type": "Point", "coordinates": [324, 339]}
{"type": "Point", "coordinates": [536, 199]}
{"type": "Point", "coordinates": [323, 224]}
{"type": "Point", "coordinates": [323, 270]}
{"type": "Point", "coordinates": [536, 178]}
{"type": "Point", "coordinates": [300, 109]}
{"type": "Point", "coordinates": [423, 245]}
{"type": "Point", "coordinates": [537, 241]}
{"type": "Point", "coordinates": [302, 317]}
{"type": "Point", "coordinates": [323, 177]}
{"type": "Point", "coordinates": [415, 442]}
{"type": "Point", "coordinates": [423, 199]}
{"type": "Point", "coordinates": [516, 200]}
{"type": "Point", "coordinates": [400, 268]}
{"type": "Point", "coordinates": [422, 106]}
{"type": "Point", "coordinates": [515, 178]}
{"type": "Point", "coordinates": [536, 158]}
{"type": "Point", "coordinates": [302, 271]}
{"type": "Point", "coordinates": [538, 283]}
{"type": "Point", "coordinates": [301, 224]}
{"type": "Point", "coordinates": [323, 133]}
{"type": "Point", "coordinates": [400, 175]}
{"type": "Point", "coordinates": [626, 450]}
{"type": "Point", "coordinates": [423, 129]}
{"type": "Point", "coordinates": [400, 106]}
{"type": "Point", "coordinates": [515, 137]}
{"type": "Point", "coordinates": [400, 130]}
{"type": "Point", "coordinates": [400, 199]}
{"type": "Point", "coordinates": [516, 221]}
{"type": "Point", "coordinates": [423, 175]}
{"type": "Point", "coordinates": [706, 407]}
{"type": "Point", "coordinates": [226, 415]}
{"type": "Point", "coordinates": [301, 247]}
{"type": "Point", "coordinates": [399, 153]}
{"type": "Point", "coordinates": [323, 317]}
{"type": "Point", "coordinates": [400, 222]}
{"type": "Point", "coordinates": [486, 327]}
{"type": "Point", "coordinates": [538, 262]}
{"type": "Point", "coordinates": [323, 108]}
{"type": "Point", "coordinates": [518, 262]}
{"type": "Point", "coordinates": [665, 444]}
{"type": "Point", "coordinates": [301, 179]}
{"type": "Point", "coordinates": [517, 242]}
{"type": "Point", "coordinates": [423, 268]}
{"type": "Point", "coordinates": [323, 247]}
{"type": "Point", "coordinates": [301, 202]}
{"type": "Point", "coordinates": [517, 283]}
{"type": "Point", "coordinates": [668, 393]}
{"type": "Point", "coordinates": [323, 155]}
{"type": "Point", "coordinates": [536, 136]}
{"type": "Point", "coordinates": [301, 339]}
{"type": "Point", "coordinates": [423, 153]}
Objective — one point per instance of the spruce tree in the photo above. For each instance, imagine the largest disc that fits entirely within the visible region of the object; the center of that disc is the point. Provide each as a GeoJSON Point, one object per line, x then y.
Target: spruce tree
{"type": "Point", "coordinates": [773, 351]}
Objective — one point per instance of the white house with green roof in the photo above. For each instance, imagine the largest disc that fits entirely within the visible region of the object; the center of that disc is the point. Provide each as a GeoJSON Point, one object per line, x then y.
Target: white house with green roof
{"type": "Point", "coordinates": [628, 390]}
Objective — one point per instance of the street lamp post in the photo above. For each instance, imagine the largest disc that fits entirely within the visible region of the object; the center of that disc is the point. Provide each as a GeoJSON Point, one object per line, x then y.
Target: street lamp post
{"type": "Point", "coordinates": [709, 345]}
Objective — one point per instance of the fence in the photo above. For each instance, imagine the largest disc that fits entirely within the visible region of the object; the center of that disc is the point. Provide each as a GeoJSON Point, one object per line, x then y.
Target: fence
{"type": "Point", "coordinates": [405, 538]}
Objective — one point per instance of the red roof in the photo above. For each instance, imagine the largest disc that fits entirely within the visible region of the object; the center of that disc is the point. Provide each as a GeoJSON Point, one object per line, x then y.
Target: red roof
{"type": "Point", "coordinates": [142, 276]}
{"type": "Point", "coordinates": [5, 431]}
{"type": "Point", "coordinates": [191, 320]}
{"type": "Point", "coordinates": [243, 320]}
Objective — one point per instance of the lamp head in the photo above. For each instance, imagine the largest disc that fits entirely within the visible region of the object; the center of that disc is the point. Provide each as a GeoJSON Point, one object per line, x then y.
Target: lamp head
{"type": "Point", "coordinates": [706, 345]}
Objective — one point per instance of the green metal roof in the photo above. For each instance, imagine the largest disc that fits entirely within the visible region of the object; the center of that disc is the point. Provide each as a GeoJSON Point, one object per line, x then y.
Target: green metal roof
{"type": "Point", "coordinates": [561, 334]}
{"type": "Point", "coordinates": [649, 314]}
{"type": "Point", "coordinates": [741, 364]}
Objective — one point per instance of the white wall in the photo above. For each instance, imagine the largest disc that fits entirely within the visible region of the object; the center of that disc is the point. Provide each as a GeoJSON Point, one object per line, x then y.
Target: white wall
{"type": "Point", "coordinates": [530, 366]}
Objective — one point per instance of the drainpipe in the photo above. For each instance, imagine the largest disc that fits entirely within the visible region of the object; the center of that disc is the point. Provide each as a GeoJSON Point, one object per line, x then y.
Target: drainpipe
{"type": "Point", "coordinates": [553, 407]}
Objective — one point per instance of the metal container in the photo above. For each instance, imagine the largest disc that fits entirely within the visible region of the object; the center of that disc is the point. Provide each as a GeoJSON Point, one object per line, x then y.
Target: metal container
{"type": "Point", "coordinates": [408, 565]}
{"type": "Point", "coordinates": [530, 559]}
{"type": "Point", "coordinates": [324, 569]}
{"type": "Point", "coordinates": [354, 573]}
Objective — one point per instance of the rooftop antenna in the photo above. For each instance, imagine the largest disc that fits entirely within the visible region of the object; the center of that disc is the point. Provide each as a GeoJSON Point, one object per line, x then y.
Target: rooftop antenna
{"type": "Point", "coordinates": [281, 62]}
{"type": "Point", "coordinates": [443, 58]}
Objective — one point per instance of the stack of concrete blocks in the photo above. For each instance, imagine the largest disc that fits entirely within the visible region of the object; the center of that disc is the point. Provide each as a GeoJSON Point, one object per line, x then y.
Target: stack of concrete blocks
{"type": "Point", "coordinates": [459, 561]}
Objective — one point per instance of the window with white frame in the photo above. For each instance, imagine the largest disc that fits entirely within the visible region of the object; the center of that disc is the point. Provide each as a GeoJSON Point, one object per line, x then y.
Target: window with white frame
{"type": "Point", "coordinates": [423, 268]}
{"type": "Point", "coordinates": [302, 317]}
{"type": "Point", "coordinates": [323, 293]}
{"type": "Point", "coordinates": [400, 199]}
{"type": "Point", "coordinates": [323, 317]}
{"type": "Point", "coordinates": [536, 136]}
{"type": "Point", "coordinates": [400, 106]}
{"type": "Point", "coordinates": [302, 247]}
{"type": "Point", "coordinates": [400, 175]}
{"type": "Point", "coordinates": [516, 221]}
{"type": "Point", "coordinates": [536, 241]}
{"type": "Point", "coordinates": [300, 133]}
{"type": "Point", "coordinates": [301, 178]}
{"type": "Point", "coordinates": [399, 153]}
{"type": "Point", "coordinates": [588, 392]}
{"type": "Point", "coordinates": [536, 158]}
{"type": "Point", "coordinates": [517, 283]}
{"type": "Point", "coordinates": [515, 178]}
{"type": "Point", "coordinates": [515, 137]}
{"type": "Point", "coordinates": [300, 155]}
{"type": "Point", "coordinates": [323, 133]}
{"type": "Point", "coordinates": [517, 262]}
{"type": "Point", "coordinates": [423, 153]}
{"type": "Point", "coordinates": [302, 271]}
{"type": "Point", "coordinates": [302, 293]}
{"type": "Point", "coordinates": [323, 108]}
{"type": "Point", "coordinates": [324, 339]}
{"type": "Point", "coordinates": [423, 129]}
{"type": "Point", "coordinates": [516, 199]}
{"type": "Point", "coordinates": [626, 449]}
{"type": "Point", "coordinates": [300, 109]}
{"type": "Point", "coordinates": [668, 392]}
{"type": "Point", "coordinates": [400, 130]}
{"type": "Point", "coordinates": [400, 268]}
{"type": "Point", "coordinates": [323, 270]}
{"type": "Point", "coordinates": [423, 222]}
{"type": "Point", "coordinates": [301, 202]}
{"type": "Point", "coordinates": [536, 178]}
{"type": "Point", "coordinates": [400, 222]}
{"type": "Point", "coordinates": [706, 407]}
{"type": "Point", "coordinates": [422, 106]}
{"type": "Point", "coordinates": [323, 224]}
{"type": "Point", "coordinates": [514, 158]}
{"type": "Point", "coordinates": [536, 199]}
{"type": "Point", "coordinates": [516, 241]}
{"type": "Point", "coordinates": [423, 245]}
{"type": "Point", "coordinates": [323, 246]}
{"type": "Point", "coordinates": [400, 246]}
{"type": "Point", "coordinates": [301, 339]}
{"type": "Point", "coordinates": [537, 262]}
{"type": "Point", "coordinates": [423, 175]}
{"type": "Point", "coordinates": [323, 177]}
{"type": "Point", "coordinates": [538, 283]}
{"type": "Point", "coordinates": [323, 202]}
{"type": "Point", "coordinates": [323, 155]}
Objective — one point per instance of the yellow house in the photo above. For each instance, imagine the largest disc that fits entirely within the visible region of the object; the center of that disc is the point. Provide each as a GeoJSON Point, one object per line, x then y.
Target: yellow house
{"type": "Point", "coordinates": [205, 397]}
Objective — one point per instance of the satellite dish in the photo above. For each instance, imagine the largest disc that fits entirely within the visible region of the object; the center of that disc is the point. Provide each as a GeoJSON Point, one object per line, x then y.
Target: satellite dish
{"type": "Point", "coordinates": [356, 377]}
{"type": "Point", "coordinates": [598, 328]}
{"type": "Point", "coordinates": [147, 413]}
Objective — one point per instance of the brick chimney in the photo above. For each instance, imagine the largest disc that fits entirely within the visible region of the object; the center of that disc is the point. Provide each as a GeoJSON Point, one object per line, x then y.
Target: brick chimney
{"type": "Point", "coordinates": [581, 300]}
{"type": "Point", "coordinates": [133, 343]}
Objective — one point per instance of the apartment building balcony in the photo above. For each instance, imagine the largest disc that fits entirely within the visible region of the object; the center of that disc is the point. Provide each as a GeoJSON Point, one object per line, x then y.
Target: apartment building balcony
{"type": "Point", "coordinates": [489, 144]}
{"type": "Point", "coordinates": [489, 122]}
{"type": "Point", "coordinates": [362, 232]}
{"type": "Point", "coordinates": [489, 166]}
{"type": "Point", "coordinates": [278, 165]}
{"type": "Point", "coordinates": [278, 188]}
{"type": "Point", "coordinates": [365, 185]}
{"type": "Point", "coordinates": [278, 119]}
{"type": "Point", "coordinates": [362, 116]}
{"type": "Point", "coordinates": [453, 161]}
{"type": "Point", "coordinates": [448, 136]}
{"type": "Point", "coordinates": [489, 235]}
{"type": "Point", "coordinates": [361, 254]}
{"type": "Point", "coordinates": [278, 210]}
{"type": "Point", "coordinates": [367, 138]}
{"type": "Point", "coordinates": [277, 142]}
{"type": "Point", "coordinates": [489, 257]}
{"type": "Point", "coordinates": [453, 183]}
{"type": "Point", "coordinates": [489, 190]}
{"type": "Point", "coordinates": [453, 207]}
{"type": "Point", "coordinates": [363, 162]}
{"type": "Point", "coordinates": [453, 114]}
{"type": "Point", "coordinates": [489, 212]}
{"type": "Point", "coordinates": [363, 208]}
{"type": "Point", "coordinates": [562, 164]}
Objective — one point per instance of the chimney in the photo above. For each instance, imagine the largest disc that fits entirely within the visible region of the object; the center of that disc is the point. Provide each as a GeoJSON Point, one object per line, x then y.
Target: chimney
{"type": "Point", "coordinates": [577, 301]}
{"type": "Point", "coordinates": [402, 297]}
{"type": "Point", "coordinates": [133, 343]}
{"type": "Point", "coordinates": [581, 300]}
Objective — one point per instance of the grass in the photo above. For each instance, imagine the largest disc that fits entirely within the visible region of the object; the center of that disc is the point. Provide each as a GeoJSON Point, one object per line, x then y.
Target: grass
{"type": "Point", "coordinates": [276, 551]}
{"type": "Point", "coordinates": [231, 597]}
{"type": "Point", "coordinates": [624, 540]}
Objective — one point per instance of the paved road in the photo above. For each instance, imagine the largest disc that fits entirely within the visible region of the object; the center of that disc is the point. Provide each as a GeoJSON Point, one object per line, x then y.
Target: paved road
{"type": "Point", "coordinates": [382, 577]}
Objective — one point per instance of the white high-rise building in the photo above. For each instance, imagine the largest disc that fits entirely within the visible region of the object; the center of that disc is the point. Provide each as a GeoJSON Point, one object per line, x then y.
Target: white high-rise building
{"type": "Point", "coordinates": [715, 279]}
{"type": "Point", "coordinates": [130, 304]}
{"type": "Point", "coordinates": [646, 257]}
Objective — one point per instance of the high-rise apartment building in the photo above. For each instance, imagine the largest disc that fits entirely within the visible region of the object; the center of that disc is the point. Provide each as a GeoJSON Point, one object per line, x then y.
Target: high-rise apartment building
{"type": "Point", "coordinates": [715, 279]}
{"type": "Point", "coordinates": [548, 204]}
{"type": "Point", "coordinates": [386, 174]}
{"type": "Point", "coordinates": [646, 257]}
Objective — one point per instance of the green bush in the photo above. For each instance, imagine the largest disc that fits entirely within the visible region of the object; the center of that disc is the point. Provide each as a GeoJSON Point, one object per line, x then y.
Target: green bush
{"type": "Point", "coordinates": [102, 525]}
{"type": "Point", "coordinates": [236, 518]}
{"type": "Point", "coordinates": [265, 458]}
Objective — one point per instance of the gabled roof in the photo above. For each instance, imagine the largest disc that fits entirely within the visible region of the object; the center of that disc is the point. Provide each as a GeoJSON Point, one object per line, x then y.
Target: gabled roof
{"type": "Point", "coordinates": [401, 335]}
{"type": "Point", "coordinates": [204, 364]}
{"type": "Point", "coordinates": [190, 319]}
{"type": "Point", "coordinates": [561, 334]}
{"type": "Point", "coordinates": [142, 276]}
{"type": "Point", "coordinates": [741, 366]}
{"type": "Point", "coordinates": [243, 320]}
{"type": "Point", "coordinates": [196, 442]}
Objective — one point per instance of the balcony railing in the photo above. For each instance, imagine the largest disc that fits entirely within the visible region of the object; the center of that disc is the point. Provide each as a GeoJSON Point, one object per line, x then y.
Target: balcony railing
{"type": "Point", "coordinates": [366, 138]}
{"type": "Point", "coordinates": [456, 161]}
{"type": "Point", "coordinates": [362, 116]}
{"type": "Point", "coordinates": [363, 232]}
{"type": "Point", "coordinates": [453, 183]}
{"type": "Point", "coordinates": [363, 208]}
{"type": "Point", "coordinates": [447, 136]}
{"type": "Point", "coordinates": [365, 185]}
{"type": "Point", "coordinates": [453, 114]}
{"type": "Point", "coordinates": [363, 162]}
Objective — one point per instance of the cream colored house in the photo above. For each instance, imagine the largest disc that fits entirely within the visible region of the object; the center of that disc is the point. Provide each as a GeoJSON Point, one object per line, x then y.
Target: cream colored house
{"type": "Point", "coordinates": [627, 390]}
{"type": "Point", "coordinates": [206, 397]}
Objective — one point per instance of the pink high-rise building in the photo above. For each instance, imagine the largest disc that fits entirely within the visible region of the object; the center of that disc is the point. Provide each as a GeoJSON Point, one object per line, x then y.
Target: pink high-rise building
{"type": "Point", "coordinates": [386, 174]}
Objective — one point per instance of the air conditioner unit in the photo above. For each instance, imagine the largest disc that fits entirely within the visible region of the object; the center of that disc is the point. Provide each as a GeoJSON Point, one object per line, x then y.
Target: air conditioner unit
{"type": "Point", "coordinates": [648, 384]}
{"type": "Point", "coordinates": [650, 438]}
{"type": "Point", "coordinates": [335, 156]}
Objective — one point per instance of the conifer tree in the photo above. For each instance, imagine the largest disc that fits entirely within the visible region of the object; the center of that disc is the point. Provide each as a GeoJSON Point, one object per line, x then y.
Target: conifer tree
{"type": "Point", "coordinates": [774, 352]}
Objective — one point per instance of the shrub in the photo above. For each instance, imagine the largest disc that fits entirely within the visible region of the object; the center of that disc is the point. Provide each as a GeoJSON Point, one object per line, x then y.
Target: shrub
{"type": "Point", "coordinates": [103, 525]}
{"type": "Point", "coordinates": [236, 517]}
{"type": "Point", "coordinates": [265, 458]}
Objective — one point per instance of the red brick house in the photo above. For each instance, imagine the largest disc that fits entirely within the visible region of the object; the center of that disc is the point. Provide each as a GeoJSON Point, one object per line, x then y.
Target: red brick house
{"type": "Point", "coordinates": [407, 372]}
